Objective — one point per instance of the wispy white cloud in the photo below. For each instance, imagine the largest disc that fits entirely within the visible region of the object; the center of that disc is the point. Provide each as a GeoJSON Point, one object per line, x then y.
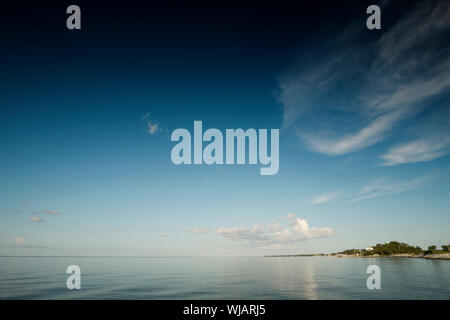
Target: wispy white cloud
{"type": "Point", "coordinates": [333, 116]}
{"type": "Point", "coordinates": [415, 28]}
{"type": "Point", "coordinates": [385, 186]}
{"type": "Point", "coordinates": [379, 187]}
{"type": "Point", "coordinates": [36, 219]}
{"type": "Point", "coordinates": [274, 234]}
{"type": "Point", "coordinates": [327, 197]}
{"type": "Point", "coordinates": [163, 235]}
{"type": "Point", "coordinates": [417, 151]}
{"type": "Point", "coordinates": [368, 135]}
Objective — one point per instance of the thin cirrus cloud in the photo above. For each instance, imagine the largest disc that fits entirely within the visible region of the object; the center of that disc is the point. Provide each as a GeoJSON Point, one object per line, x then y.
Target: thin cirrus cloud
{"type": "Point", "coordinates": [327, 197]}
{"type": "Point", "coordinates": [275, 235]}
{"type": "Point", "coordinates": [384, 187]}
{"type": "Point", "coordinates": [420, 150]}
{"type": "Point", "coordinates": [377, 188]}
{"type": "Point", "coordinates": [338, 106]}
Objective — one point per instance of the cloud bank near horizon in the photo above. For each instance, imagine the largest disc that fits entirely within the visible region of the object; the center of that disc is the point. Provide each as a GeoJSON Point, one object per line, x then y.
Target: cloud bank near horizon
{"type": "Point", "coordinates": [275, 235]}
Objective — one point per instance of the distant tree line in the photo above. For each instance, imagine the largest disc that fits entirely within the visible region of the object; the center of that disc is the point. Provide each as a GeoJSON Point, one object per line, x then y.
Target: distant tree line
{"type": "Point", "coordinates": [394, 247]}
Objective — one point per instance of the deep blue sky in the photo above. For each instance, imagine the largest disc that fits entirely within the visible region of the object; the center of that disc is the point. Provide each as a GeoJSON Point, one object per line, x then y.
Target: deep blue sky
{"type": "Point", "coordinates": [363, 118]}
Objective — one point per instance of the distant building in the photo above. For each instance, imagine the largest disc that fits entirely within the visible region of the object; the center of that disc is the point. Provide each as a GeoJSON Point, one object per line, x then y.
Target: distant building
{"type": "Point", "coordinates": [369, 249]}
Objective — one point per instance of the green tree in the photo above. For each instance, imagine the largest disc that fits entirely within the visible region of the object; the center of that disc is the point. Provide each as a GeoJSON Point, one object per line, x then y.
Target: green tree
{"type": "Point", "coordinates": [432, 248]}
{"type": "Point", "coordinates": [445, 248]}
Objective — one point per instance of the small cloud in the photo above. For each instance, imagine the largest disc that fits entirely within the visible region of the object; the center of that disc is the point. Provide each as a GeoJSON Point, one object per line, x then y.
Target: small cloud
{"type": "Point", "coordinates": [19, 241]}
{"type": "Point", "coordinates": [24, 204]}
{"type": "Point", "coordinates": [152, 126]}
{"type": "Point", "coordinates": [18, 211]}
{"type": "Point", "coordinates": [327, 197]}
{"type": "Point", "coordinates": [53, 213]}
{"type": "Point", "coordinates": [197, 230]}
{"type": "Point", "coordinates": [115, 230]}
{"type": "Point", "coordinates": [163, 235]}
{"type": "Point", "coordinates": [36, 219]}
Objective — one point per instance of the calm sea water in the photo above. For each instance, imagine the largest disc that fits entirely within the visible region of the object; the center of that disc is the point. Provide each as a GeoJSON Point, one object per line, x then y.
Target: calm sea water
{"type": "Point", "coordinates": [223, 278]}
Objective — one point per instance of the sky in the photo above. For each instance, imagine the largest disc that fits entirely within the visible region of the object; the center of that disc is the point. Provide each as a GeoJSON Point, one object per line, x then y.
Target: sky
{"type": "Point", "coordinates": [86, 118]}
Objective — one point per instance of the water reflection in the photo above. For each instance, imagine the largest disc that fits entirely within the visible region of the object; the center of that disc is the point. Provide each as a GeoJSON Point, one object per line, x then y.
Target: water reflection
{"type": "Point", "coordinates": [310, 283]}
{"type": "Point", "coordinates": [223, 278]}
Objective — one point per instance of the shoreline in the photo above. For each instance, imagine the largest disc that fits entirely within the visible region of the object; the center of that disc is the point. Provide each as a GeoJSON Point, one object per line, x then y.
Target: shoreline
{"type": "Point", "coordinates": [433, 256]}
